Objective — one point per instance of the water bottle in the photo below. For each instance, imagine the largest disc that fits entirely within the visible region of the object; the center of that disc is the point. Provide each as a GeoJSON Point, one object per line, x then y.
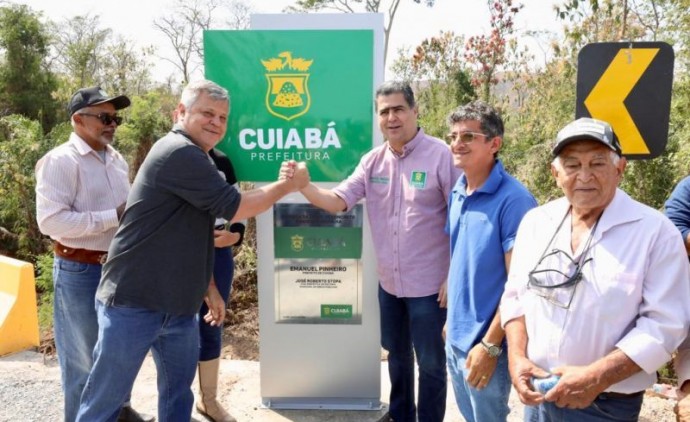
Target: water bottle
{"type": "Point", "coordinates": [543, 385]}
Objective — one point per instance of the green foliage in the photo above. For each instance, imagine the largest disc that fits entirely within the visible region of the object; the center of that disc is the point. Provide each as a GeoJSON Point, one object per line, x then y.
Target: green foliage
{"type": "Point", "coordinates": [22, 143]}
{"type": "Point", "coordinates": [442, 81]}
{"type": "Point", "coordinates": [147, 119]}
{"type": "Point", "coordinates": [26, 82]}
{"type": "Point", "coordinates": [44, 287]}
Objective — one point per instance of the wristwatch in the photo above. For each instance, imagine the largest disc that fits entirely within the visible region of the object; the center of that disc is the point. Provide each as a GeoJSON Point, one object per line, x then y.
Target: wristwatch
{"type": "Point", "coordinates": [492, 349]}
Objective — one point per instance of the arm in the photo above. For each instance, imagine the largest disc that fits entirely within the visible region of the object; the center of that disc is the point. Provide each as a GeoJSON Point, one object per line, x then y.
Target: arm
{"type": "Point", "coordinates": [522, 369]}
{"type": "Point", "coordinates": [324, 198]}
{"type": "Point", "coordinates": [677, 209]}
{"type": "Point", "coordinates": [56, 190]}
{"type": "Point", "coordinates": [482, 366]}
{"type": "Point", "coordinates": [216, 305]}
{"type": "Point", "coordinates": [682, 366]}
{"type": "Point", "coordinates": [224, 238]}
{"type": "Point", "coordinates": [258, 200]}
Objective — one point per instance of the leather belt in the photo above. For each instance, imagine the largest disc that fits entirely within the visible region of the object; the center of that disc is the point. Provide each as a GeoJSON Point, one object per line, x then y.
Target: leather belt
{"type": "Point", "coordinates": [614, 395]}
{"type": "Point", "coordinates": [84, 256]}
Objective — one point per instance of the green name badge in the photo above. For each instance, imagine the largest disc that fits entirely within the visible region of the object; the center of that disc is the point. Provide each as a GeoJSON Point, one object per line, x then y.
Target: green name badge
{"type": "Point", "coordinates": [418, 179]}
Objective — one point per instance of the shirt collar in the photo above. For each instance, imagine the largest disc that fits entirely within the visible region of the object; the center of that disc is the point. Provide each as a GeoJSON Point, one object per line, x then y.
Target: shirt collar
{"type": "Point", "coordinates": [492, 182]}
{"type": "Point", "coordinates": [620, 210]}
{"type": "Point", "coordinates": [82, 147]}
{"type": "Point", "coordinates": [410, 146]}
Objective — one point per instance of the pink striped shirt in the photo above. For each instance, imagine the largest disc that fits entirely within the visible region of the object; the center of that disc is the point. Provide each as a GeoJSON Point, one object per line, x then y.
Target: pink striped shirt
{"type": "Point", "coordinates": [407, 204]}
{"type": "Point", "coordinates": [77, 194]}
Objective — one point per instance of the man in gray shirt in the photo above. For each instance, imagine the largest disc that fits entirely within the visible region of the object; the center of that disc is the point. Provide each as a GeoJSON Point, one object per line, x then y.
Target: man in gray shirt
{"type": "Point", "coordinates": [161, 260]}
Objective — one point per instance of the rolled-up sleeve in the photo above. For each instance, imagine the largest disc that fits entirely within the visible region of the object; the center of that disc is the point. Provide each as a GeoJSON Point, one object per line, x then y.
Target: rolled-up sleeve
{"type": "Point", "coordinates": [352, 189]}
{"type": "Point", "coordinates": [511, 306]}
{"type": "Point", "coordinates": [664, 313]}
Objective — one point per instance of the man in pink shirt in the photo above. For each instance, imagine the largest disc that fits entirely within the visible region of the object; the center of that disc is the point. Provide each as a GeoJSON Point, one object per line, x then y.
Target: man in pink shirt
{"type": "Point", "coordinates": [406, 183]}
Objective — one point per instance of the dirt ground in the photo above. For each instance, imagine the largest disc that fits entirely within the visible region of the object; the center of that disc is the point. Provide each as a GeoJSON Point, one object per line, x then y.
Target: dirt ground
{"type": "Point", "coordinates": [241, 335]}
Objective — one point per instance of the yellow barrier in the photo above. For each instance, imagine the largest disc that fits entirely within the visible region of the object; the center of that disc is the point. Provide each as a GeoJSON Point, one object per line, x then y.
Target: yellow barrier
{"type": "Point", "coordinates": [18, 310]}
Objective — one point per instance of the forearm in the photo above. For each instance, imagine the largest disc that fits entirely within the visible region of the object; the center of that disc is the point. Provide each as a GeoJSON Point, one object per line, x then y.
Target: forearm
{"type": "Point", "coordinates": [495, 333]}
{"type": "Point", "coordinates": [65, 223]}
{"type": "Point", "coordinates": [613, 368]}
{"type": "Point", "coordinates": [516, 336]}
{"type": "Point", "coordinates": [324, 198]}
{"type": "Point", "coordinates": [258, 200]}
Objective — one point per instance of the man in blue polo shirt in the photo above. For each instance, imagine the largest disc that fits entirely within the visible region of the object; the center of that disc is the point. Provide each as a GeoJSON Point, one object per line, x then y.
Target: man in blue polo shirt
{"type": "Point", "coordinates": [485, 209]}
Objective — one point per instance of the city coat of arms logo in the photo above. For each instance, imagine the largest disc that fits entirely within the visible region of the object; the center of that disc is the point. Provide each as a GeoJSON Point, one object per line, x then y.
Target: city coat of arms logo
{"type": "Point", "coordinates": [287, 95]}
{"type": "Point", "coordinates": [297, 243]}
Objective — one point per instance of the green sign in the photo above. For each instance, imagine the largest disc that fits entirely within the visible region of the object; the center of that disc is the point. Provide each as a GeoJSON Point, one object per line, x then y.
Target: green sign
{"type": "Point", "coordinates": [336, 311]}
{"type": "Point", "coordinates": [318, 242]}
{"type": "Point", "coordinates": [295, 95]}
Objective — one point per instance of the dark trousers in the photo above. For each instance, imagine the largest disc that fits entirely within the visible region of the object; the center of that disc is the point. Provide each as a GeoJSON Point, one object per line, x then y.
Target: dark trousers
{"type": "Point", "coordinates": [210, 337]}
{"type": "Point", "coordinates": [414, 324]}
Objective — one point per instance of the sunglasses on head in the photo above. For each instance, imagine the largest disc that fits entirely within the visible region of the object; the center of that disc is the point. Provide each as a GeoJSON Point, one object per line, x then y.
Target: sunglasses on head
{"type": "Point", "coordinates": [105, 118]}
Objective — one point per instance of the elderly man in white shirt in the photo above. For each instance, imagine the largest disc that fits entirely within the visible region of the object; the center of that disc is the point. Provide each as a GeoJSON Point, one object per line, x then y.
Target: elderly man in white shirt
{"type": "Point", "coordinates": [597, 291]}
{"type": "Point", "coordinates": [81, 190]}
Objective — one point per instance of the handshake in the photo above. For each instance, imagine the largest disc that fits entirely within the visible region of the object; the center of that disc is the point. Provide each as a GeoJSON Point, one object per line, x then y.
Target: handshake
{"type": "Point", "coordinates": [295, 174]}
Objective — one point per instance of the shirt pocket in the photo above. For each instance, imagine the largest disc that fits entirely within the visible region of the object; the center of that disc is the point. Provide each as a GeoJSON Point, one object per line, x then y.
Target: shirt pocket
{"type": "Point", "coordinates": [618, 292]}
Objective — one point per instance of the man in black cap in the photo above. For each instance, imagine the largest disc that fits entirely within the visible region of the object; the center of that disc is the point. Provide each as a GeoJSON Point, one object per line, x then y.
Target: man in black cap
{"type": "Point", "coordinates": [81, 189]}
{"type": "Point", "coordinates": [596, 298]}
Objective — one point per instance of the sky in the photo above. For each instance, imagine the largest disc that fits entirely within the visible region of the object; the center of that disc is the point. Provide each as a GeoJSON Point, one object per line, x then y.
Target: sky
{"type": "Point", "coordinates": [413, 23]}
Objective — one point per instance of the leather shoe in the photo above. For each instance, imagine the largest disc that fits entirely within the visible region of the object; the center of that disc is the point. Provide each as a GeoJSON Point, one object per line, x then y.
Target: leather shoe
{"type": "Point", "coordinates": [128, 414]}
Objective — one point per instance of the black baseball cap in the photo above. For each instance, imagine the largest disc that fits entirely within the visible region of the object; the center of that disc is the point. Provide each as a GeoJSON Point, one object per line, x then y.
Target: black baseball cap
{"type": "Point", "coordinates": [94, 95]}
{"type": "Point", "coordinates": [586, 128]}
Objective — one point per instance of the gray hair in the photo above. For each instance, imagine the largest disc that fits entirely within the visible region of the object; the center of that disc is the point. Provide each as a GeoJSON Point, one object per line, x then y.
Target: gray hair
{"type": "Point", "coordinates": [615, 158]}
{"type": "Point", "coordinates": [192, 91]}
{"type": "Point", "coordinates": [397, 87]}
{"type": "Point", "coordinates": [489, 119]}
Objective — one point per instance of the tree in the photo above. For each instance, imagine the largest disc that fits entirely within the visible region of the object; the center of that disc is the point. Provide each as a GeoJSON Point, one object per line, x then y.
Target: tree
{"type": "Point", "coordinates": [184, 27]}
{"type": "Point", "coordinates": [148, 119]}
{"type": "Point", "coordinates": [441, 79]}
{"type": "Point", "coordinates": [487, 53]}
{"type": "Point", "coordinates": [79, 45]}
{"type": "Point", "coordinates": [22, 144]}
{"type": "Point", "coordinates": [352, 6]}
{"type": "Point", "coordinates": [26, 83]}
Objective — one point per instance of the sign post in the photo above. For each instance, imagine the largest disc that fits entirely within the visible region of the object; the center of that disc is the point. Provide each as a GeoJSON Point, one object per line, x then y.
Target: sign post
{"type": "Point", "coordinates": [302, 88]}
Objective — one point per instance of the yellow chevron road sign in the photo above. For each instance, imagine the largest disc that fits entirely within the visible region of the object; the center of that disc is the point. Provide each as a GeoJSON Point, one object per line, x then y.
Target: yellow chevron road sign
{"type": "Point", "coordinates": [629, 86]}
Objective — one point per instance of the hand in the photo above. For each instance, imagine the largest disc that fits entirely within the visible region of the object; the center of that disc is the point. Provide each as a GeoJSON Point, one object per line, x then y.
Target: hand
{"type": "Point", "coordinates": [443, 295]}
{"type": "Point", "coordinates": [287, 170]}
{"type": "Point", "coordinates": [682, 408]}
{"type": "Point", "coordinates": [481, 367]}
{"type": "Point", "coordinates": [300, 176]}
{"type": "Point", "coordinates": [216, 306]}
{"type": "Point", "coordinates": [576, 389]}
{"type": "Point", "coordinates": [120, 210]}
{"type": "Point", "coordinates": [224, 238]}
{"type": "Point", "coordinates": [521, 372]}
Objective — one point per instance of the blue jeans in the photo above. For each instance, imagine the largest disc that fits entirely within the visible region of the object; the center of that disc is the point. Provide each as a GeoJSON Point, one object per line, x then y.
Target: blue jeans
{"type": "Point", "coordinates": [417, 322]}
{"type": "Point", "coordinates": [75, 325]}
{"type": "Point", "coordinates": [603, 409]}
{"type": "Point", "coordinates": [210, 336]}
{"type": "Point", "coordinates": [125, 335]}
{"type": "Point", "coordinates": [488, 404]}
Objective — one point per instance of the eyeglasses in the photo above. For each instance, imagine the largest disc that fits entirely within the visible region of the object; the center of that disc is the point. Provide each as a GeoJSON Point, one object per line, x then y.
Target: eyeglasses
{"type": "Point", "coordinates": [554, 285]}
{"type": "Point", "coordinates": [464, 137]}
{"type": "Point", "coordinates": [105, 118]}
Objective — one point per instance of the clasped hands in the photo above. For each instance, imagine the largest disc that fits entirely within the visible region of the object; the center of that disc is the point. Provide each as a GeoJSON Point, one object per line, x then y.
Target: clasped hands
{"type": "Point", "coordinates": [576, 389]}
{"type": "Point", "coordinates": [294, 173]}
